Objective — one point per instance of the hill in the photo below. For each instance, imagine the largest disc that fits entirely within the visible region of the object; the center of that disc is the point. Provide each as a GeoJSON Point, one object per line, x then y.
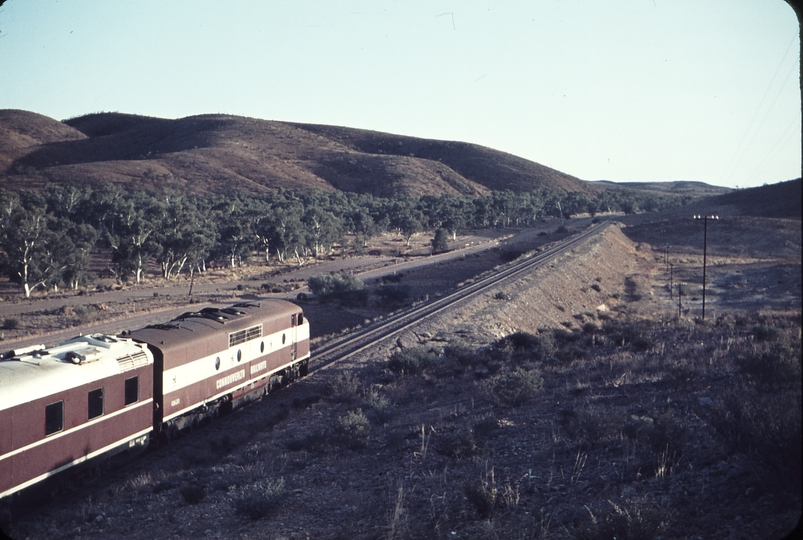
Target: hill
{"type": "Point", "coordinates": [222, 153]}
{"type": "Point", "coordinates": [677, 187]}
{"type": "Point", "coordinates": [781, 200]}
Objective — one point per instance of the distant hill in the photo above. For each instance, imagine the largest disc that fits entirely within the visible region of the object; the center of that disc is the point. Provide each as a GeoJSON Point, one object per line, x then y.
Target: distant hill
{"type": "Point", "coordinates": [781, 200]}
{"type": "Point", "coordinates": [676, 187]}
{"type": "Point", "coordinates": [220, 153]}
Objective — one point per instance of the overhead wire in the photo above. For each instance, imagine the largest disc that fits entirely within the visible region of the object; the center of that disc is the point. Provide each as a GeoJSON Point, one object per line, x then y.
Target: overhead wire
{"type": "Point", "coordinates": [737, 152]}
{"type": "Point", "coordinates": [783, 140]}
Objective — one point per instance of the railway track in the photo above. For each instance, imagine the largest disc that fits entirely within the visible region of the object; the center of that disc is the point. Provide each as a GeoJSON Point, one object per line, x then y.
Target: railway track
{"type": "Point", "coordinates": [351, 344]}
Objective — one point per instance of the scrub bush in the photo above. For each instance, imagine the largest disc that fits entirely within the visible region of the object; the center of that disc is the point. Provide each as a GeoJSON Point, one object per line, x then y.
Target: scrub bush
{"type": "Point", "coordinates": [259, 499]}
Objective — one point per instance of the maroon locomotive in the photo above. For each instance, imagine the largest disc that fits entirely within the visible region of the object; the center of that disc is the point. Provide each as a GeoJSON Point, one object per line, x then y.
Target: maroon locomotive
{"type": "Point", "coordinates": [98, 395]}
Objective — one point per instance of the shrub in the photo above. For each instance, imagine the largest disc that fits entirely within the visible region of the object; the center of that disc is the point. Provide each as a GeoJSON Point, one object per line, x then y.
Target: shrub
{"type": "Point", "coordinates": [390, 295]}
{"type": "Point", "coordinates": [193, 493]}
{"type": "Point", "coordinates": [336, 286]}
{"type": "Point", "coordinates": [638, 335]}
{"type": "Point", "coordinates": [662, 432]}
{"type": "Point", "coordinates": [522, 340]}
{"type": "Point", "coordinates": [778, 368]}
{"type": "Point", "coordinates": [353, 429]}
{"type": "Point", "coordinates": [570, 353]}
{"type": "Point", "coordinates": [314, 442]}
{"type": "Point", "coordinates": [486, 426]}
{"type": "Point", "coordinates": [11, 323]}
{"type": "Point", "coordinates": [516, 387]}
{"type": "Point", "coordinates": [392, 278]}
{"type": "Point", "coordinates": [344, 387]}
{"type": "Point", "coordinates": [486, 496]}
{"type": "Point", "coordinates": [483, 498]}
{"type": "Point", "coordinates": [767, 431]}
{"type": "Point", "coordinates": [765, 333]}
{"type": "Point", "coordinates": [458, 445]}
{"type": "Point", "coordinates": [354, 298]}
{"type": "Point", "coordinates": [411, 361]}
{"type": "Point", "coordinates": [380, 406]}
{"type": "Point", "coordinates": [524, 344]}
{"type": "Point", "coordinates": [588, 425]}
{"type": "Point", "coordinates": [460, 351]}
{"type": "Point", "coordinates": [511, 254]}
{"type": "Point", "coordinates": [259, 499]}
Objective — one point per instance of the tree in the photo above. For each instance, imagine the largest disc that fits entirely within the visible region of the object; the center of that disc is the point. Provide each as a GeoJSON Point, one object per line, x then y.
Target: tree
{"type": "Point", "coordinates": [235, 228]}
{"type": "Point", "coordinates": [131, 236]}
{"type": "Point", "coordinates": [440, 242]}
{"type": "Point", "coordinates": [183, 235]}
{"type": "Point", "coordinates": [282, 232]}
{"type": "Point", "coordinates": [30, 248]}
{"type": "Point", "coordinates": [322, 230]}
{"type": "Point", "coordinates": [78, 243]}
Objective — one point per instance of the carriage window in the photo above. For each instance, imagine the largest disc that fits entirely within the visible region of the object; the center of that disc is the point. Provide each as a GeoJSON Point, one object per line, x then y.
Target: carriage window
{"type": "Point", "coordinates": [95, 403]}
{"type": "Point", "coordinates": [239, 355]}
{"type": "Point", "coordinates": [131, 390]}
{"type": "Point", "coordinates": [283, 338]}
{"type": "Point", "coordinates": [54, 417]}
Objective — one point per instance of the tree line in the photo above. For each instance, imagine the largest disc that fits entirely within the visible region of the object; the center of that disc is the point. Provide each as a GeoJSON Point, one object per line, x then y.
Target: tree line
{"type": "Point", "coordinates": [47, 236]}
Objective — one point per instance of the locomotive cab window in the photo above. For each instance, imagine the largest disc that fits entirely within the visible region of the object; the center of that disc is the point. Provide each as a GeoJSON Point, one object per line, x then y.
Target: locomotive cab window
{"type": "Point", "coordinates": [95, 403]}
{"type": "Point", "coordinates": [131, 390]}
{"type": "Point", "coordinates": [54, 417]}
{"type": "Point", "coordinates": [292, 320]}
{"type": "Point", "coordinates": [300, 319]}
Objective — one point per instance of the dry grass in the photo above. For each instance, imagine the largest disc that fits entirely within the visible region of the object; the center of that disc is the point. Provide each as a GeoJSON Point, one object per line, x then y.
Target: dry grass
{"type": "Point", "coordinates": [633, 452]}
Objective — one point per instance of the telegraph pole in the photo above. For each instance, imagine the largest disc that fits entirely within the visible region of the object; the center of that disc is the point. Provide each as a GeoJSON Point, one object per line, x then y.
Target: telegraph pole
{"type": "Point", "coordinates": [671, 269]}
{"type": "Point", "coordinates": [705, 245]}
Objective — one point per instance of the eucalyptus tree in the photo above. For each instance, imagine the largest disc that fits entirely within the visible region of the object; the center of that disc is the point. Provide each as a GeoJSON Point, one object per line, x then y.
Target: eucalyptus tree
{"type": "Point", "coordinates": [406, 217]}
{"type": "Point", "coordinates": [360, 223]}
{"type": "Point", "coordinates": [77, 245]}
{"type": "Point", "coordinates": [28, 246]}
{"type": "Point", "coordinates": [277, 226]}
{"type": "Point", "coordinates": [65, 202]}
{"type": "Point", "coordinates": [322, 229]}
{"type": "Point", "coordinates": [453, 214]}
{"type": "Point", "coordinates": [185, 234]}
{"type": "Point", "coordinates": [131, 235]}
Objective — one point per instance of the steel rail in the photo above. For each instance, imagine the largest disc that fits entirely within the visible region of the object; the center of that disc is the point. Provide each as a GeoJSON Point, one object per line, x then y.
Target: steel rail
{"type": "Point", "coordinates": [360, 340]}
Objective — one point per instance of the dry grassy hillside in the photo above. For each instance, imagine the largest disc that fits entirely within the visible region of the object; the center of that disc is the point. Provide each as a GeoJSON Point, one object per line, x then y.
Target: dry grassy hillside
{"type": "Point", "coordinates": [220, 153]}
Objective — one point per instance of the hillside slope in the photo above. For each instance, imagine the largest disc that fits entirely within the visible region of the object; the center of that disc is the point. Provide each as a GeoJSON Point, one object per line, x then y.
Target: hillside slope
{"type": "Point", "coordinates": [221, 153]}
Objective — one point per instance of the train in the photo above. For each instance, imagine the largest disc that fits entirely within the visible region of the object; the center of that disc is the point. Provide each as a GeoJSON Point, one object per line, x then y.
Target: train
{"type": "Point", "coordinates": [65, 407]}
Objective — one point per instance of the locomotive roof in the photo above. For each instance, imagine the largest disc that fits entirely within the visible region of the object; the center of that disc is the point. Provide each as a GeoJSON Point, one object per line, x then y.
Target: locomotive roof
{"type": "Point", "coordinates": [35, 372]}
{"type": "Point", "coordinates": [212, 321]}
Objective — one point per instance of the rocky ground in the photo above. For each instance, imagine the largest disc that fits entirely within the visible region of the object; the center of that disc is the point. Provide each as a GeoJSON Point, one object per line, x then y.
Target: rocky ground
{"type": "Point", "coordinates": [574, 403]}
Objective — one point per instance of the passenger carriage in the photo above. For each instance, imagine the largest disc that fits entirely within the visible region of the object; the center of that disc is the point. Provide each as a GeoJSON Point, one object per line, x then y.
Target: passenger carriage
{"type": "Point", "coordinates": [60, 407]}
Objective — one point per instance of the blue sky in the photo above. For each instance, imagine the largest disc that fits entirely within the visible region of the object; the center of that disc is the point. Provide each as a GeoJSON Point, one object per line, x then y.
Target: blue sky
{"type": "Point", "coordinates": [622, 90]}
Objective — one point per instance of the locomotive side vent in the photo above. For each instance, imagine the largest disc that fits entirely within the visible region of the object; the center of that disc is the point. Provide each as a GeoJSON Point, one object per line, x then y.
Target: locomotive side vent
{"type": "Point", "coordinates": [241, 336]}
{"type": "Point", "coordinates": [132, 361]}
